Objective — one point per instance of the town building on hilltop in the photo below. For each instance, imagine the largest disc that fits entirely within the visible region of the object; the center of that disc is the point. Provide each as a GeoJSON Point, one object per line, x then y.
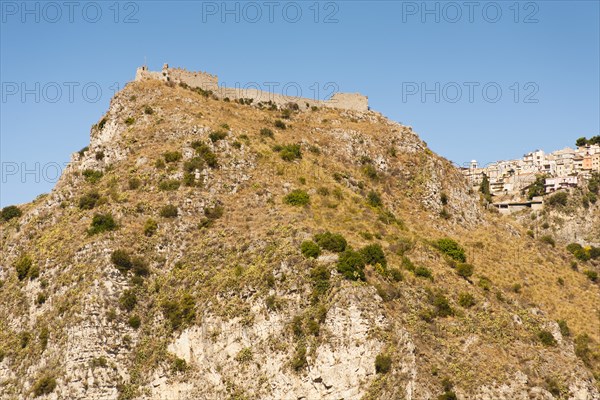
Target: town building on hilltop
{"type": "Point", "coordinates": [563, 169]}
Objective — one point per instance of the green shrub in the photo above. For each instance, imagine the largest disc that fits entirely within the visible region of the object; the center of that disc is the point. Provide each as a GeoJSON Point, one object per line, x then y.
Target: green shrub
{"type": "Point", "coordinates": [98, 362]}
{"type": "Point", "coordinates": [272, 303]}
{"type": "Point", "coordinates": [279, 124]}
{"type": "Point", "coordinates": [159, 164]}
{"type": "Point", "coordinates": [205, 153]}
{"type": "Point", "coordinates": [373, 254]}
{"type": "Point", "coordinates": [44, 385]}
{"type": "Point", "coordinates": [588, 198]}
{"type": "Point", "coordinates": [43, 336]}
{"type": "Point", "coordinates": [366, 160]}
{"type": "Point", "coordinates": [148, 110]}
{"type": "Point", "coordinates": [244, 355]}
{"type": "Point", "coordinates": [111, 315]}
{"type": "Point", "coordinates": [538, 188]}
{"type": "Point", "coordinates": [22, 265]}
{"type": "Point", "coordinates": [34, 272]}
{"type": "Point", "coordinates": [546, 338]}
{"type": "Point", "coordinates": [366, 235]}
{"type": "Point", "coordinates": [88, 201]}
{"type": "Point", "coordinates": [582, 348]}
{"type": "Point", "coordinates": [128, 300]}
{"type": "Point", "coordinates": [466, 300]}
{"type": "Point", "coordinates": [181, 312]}
{"type": "Point", "coordinates": [150, 227]}
{"type": "Point", "coordinates": [592, 275]}
{"type": "Point", "coordinates": [452, 249]}
{"type": "Point", "coordinates": [129, 121]}
{"type": "Point", "coordinates": [444, 198]}
{"type": "Point", "coordinates": [290, 152]}
{"type": "Point", "coordinates": [558, 199]}
{"type": "Point", "coordinates": [310, 249]}
{"type": "Point", "coordinates": [582, 255]}
{"type": "Point", "coordinates": [594, 183]}
{"type": "Point", "coordinates": [139, 266]}
{"type": "Point", "coordinates": [373, 199]}
{"type": "Point", "coordinates": [169, 211]}
{"type": "Point", "coordinates": [297, 197]}
{"type": "Point", "coordinates": [323, 191]}
{"type": "Point", "coordinates": [574, 247]}
{"type": "Point", "coordinates": [331, 241]}
{"type": "Point", "coordinates": [485, 283]}
{"type": "Point", "coordinates": [215, 136]}
{"type": "Point", "coordinates": [194, 164]}
{"type": "Point", "coordinates": [351, 265]}
{"type": "Point", "coordinates": [189, 179]}
{"type": "Point", "coordinates": [172, 156]}
{"type": "Point", "coordinates": [9, 213]}
{"type": "Point", "coordinates": [369, 171]}
{"type": "Point", "coordinates": [286, 114]}
{"type": "Point", "coordinates": [548, 240]}
{"type": "Point", "coordinates": [296, 326]}
{"type": "Point", "coordinates": [383, 364]}
{"type": "Point", "coordinates": [266, 132]}
{"type": "Point", "coordinates": [24, 339]}
{"type": "Point", "coordinates": [545, 225]}
{"type": "Point", "coordinates": [92, 176]}
{"type": "Point", "coordinates": [101, 124]}
{"type": "Point", "coordinates": [445, 214]}
{"type": "Point", "coordinates": [135, 183]}
{"type": "Point", "coordinates": [319, 277]}
{"type": "Point", "coordinates": [564, 328]}
{"type": "Point", "coordinates": [442, 306]}
{"type": "Point", "coordinates": [211, 215]}
{"type": "Point", "coordinates": [169, 185]}
{"type": "Point", "coordinates": [299, 360]}
{"type": "Point", "coordinates": [86, 148]}
{"type": "Point", "coordinates": [179, 365]}
{"type": "Point", "coordinates": [41, 299]}
{"type": "Point", "coordinates": [134, 321]}
{"type": "Point", "coordinates": [99, 155]}
{"type": "Point", "coordinates": [102, 223]}
{"type": "Point", "coordinates": [270, 279]}
{"type": "Point", "coordinates": [396, 274]}
{"type": "Point", "coordinates": [408, 264]}
{"type": "Point", "coordinates": [423, 272]}
{"type": "Point", "coordinates": [464, 270]}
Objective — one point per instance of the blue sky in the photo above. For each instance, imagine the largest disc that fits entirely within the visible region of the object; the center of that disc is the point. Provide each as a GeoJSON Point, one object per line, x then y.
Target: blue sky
{"type": "Point", "coordinates": [483, 80]}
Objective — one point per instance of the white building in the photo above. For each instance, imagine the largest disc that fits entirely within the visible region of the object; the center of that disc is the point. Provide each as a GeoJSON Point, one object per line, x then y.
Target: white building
{"type": "Point", "coordinates": [565, 182]}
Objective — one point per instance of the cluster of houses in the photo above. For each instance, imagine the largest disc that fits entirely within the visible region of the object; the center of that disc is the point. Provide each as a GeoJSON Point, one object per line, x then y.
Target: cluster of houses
{"type": "Point", "coordinates": [563, 169]}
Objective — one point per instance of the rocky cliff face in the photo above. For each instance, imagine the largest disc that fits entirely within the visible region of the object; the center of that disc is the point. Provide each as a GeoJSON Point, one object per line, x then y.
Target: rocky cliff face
{"type": "Point", "coordinates": [170, 261]}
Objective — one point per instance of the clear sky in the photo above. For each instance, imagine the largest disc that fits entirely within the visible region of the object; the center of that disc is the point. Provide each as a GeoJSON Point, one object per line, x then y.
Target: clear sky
{"type": "Point", "coordinates": [477, 80]}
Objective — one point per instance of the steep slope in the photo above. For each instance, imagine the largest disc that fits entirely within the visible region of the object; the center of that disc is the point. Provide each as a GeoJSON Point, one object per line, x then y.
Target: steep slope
{"type": "Point", "coordinates": [570, 216]}
{"type": "Point", "coordinates": [169, 262]}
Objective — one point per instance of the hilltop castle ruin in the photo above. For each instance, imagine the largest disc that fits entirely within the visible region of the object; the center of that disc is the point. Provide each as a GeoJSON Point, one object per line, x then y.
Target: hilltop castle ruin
{"type": "Point", "coordinates": [208, 82]}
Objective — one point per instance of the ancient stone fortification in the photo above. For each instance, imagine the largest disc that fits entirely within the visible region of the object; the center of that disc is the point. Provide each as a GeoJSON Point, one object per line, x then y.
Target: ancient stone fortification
{"type": "Point", "coordinates": [205, 81]}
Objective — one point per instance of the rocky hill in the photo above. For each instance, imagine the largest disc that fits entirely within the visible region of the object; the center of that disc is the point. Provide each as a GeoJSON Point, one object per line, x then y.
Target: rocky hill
{"type": "Point", "coordinates": [205, 249]}
{"type": "Point", "coordinates": [569, 216]}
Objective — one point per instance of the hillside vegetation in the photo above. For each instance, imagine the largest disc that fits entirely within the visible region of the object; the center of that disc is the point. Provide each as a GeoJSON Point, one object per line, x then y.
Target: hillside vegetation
{"type": "Point", "coordinates": [202, 248]}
